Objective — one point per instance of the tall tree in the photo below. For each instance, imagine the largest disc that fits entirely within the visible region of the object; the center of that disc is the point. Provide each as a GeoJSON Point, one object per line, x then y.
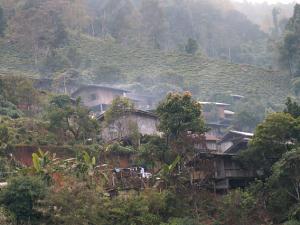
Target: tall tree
{"type": "Point", "coordinates": [153, 21]}
{"type": "Point", "coordinates": [191, 46]}
{"type": "Point", "coordinates": [180, 116]}
{"type": "Point", "coordinates": [275, 13]}
{"type": "Point", "coordinates": [2, 22]}
{"type": "Point", "coordinates": [278, 134]}
{"type": "Point", "coordinates": [37, 26]}
{"type": "Point", "coordinates": [292, 108]}
{"type": "Point", "coordinates": [71, 119]}
{"type": "Point", "coordinates": [290, 48]}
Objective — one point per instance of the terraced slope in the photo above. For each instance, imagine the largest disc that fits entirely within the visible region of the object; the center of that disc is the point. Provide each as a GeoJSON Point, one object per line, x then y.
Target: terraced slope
{"type": "Point", "coordinates": [209, 75]}
{"type": "Point", "coordinates": [206, 75]}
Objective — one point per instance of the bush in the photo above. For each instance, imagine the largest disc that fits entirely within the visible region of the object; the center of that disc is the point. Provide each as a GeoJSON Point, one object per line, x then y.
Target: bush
{"type": "Point", "coordinates": [239, 207]}
{"type": "Point", "coordinates": [22, 195]}
{"type": "Point", "coordinates": [117, 149]}
{"type": "Point", "coordinates": [191, 46]}
{"type": "Point", "coordinates": [5, 218]}
{"type": "Point", "coordinates": [292, 222]}
{"type": "Point", "coordinates": [9, 109]}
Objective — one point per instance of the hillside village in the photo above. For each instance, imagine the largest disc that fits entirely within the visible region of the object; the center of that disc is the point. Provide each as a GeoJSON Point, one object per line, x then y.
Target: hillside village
{"type": "Point", "coordinates": [219, 142]}
{"type": "Point", "coordinates": [149, 112]}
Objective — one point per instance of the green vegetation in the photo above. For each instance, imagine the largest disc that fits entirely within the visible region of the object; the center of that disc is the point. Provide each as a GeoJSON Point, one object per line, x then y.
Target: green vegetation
{"type": "Point", "coordinates": [274, 155]}
{"type": "Point", "coordinates": [144, 70]}
{"type": "Point", "coordinates": [2, 22]}
{"type": "Point", "coordinates": [150, 47]}
{"type": "Point", "coordinates": [140, 57]}
{"type": "Point", "coordinates": [290, 52]}
{"type": "Point", "coordinates": [79, 190]}
{"type": "Point", "coordinates": [191, 46]}
{"type": "Point", "coordinates": [180, 114]}
{"type": "Point", "coordinates": [68, 117]}
{"type": "Point", "coordinates": [21, 197]}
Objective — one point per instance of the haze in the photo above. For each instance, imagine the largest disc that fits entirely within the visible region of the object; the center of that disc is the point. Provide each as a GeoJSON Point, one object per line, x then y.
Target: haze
{"type": "Point", "coordinates": [269, 1]}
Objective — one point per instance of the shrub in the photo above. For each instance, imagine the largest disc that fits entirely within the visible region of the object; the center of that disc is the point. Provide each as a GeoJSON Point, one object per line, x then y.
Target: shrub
{"type": "Point", "coordinates": [22, 195]}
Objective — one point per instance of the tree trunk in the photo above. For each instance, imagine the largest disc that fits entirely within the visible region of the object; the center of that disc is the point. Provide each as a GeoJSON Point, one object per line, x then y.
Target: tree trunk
{"type": "Point", "coordinates": [290, 66]}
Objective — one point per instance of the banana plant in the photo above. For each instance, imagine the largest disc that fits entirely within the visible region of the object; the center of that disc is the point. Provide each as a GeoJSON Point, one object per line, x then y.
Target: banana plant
{"type": "Point", "coordinates": [40, 160]}
{"type": "Point", "coordinates": [90, 162]}
{"type": "Point", "coordinates": [168, 169]}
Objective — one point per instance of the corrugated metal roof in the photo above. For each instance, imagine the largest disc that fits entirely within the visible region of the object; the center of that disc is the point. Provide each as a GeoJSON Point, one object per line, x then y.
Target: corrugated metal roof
{"type": "Point", "coordinates": [215, 103]}
{"type": "Point", "coordinates": [98, 86]}
{"type": "Point", "coordinates": [228, 112]}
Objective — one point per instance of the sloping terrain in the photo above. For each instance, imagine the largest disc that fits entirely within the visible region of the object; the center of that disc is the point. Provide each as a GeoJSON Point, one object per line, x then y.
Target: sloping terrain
{"type": "Point", "coordinates": [210, 76]}
{"type": "Point", "coordinates": [201, 75]}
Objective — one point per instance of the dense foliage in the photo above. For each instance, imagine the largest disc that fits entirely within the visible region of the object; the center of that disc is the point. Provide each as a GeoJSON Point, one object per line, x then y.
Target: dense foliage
{"type": "Point", "coordinates": [274, 154]}
{"type": "Point", "coordinates": [151, 47]}
{"type": "Point", "coordinates": [179, 114]}
{"type": "Point", "coordinates": [69, 117]}
{"type": "Point", "coordinates": [2, 22]}
{"type": "Point", "coordinates": [290, 52]}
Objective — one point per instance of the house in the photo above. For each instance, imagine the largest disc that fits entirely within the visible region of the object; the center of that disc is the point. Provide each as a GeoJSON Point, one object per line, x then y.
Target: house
{"type": "Point", "coordinates": [219, 169]}
{"type": "Point", "coordinates": [237, 97]}
{"type": "Point", "coordinates": [204, 143]}
{"type": "Point", "coordinates": [234, 141]}
{"type": "Point", "coordinates": [216, 129]}
{"type": "Point", "coordinates": [228, 115]}
{"type": "Point", "coordinates": [214, 111]}
{"type": "Point", "coordinates": [97, 97]}
{"type": "Point", "coordinates": [217, 117]}
{"type": "Point", "coordinates": [145, 122]}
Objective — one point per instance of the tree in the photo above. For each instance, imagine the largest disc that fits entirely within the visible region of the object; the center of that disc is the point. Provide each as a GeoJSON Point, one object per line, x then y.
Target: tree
{"type": "Point", "coordinates": [181, 122]}
{"type": "Point", "coordinates": [180, 114]}
{"type": "Point", "coordinates": [292, 107]}
{"type": "Point", "coordinates": [2, 22]}
{"type": "Point", "coordinates": [289, 49]}
{"type": "Point", "coordinates": [275, 136]}
{"type": "Point", "coordinates": [38, 27]}
{"type": "Point", "coordinates": [153, 22]}
{"type": "Point", "coordinates": [67, 117]}
{"type": "Point", "coordinates": [275, 13]}
{"type": "Point", "coordinates": [4, 135]}
{"type": "Point", "coordinates": [22, 195]}
{"type": "Point", "coordinates": [9, 109]}
{"type": "Point", "coordinates": [191, 46]}
{"type": "Point", "coordinates": [240, 207]}
{"type": "Point", "coordinates": [18, 92]}
{"type": "Point", "coordinates": [285, 185]}
{"type": "Point", "coordinates": [286, 173]}
{"type": "Point", "coordinates": [153, 152]}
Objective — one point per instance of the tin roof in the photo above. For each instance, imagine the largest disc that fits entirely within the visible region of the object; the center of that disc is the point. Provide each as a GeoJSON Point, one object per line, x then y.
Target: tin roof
{"type": "Point", "coordinates": [83, 87]}
{"type": "Point", "coordinates": [137, 111]}
{"type": "Point", "coordinates": [214, 103]}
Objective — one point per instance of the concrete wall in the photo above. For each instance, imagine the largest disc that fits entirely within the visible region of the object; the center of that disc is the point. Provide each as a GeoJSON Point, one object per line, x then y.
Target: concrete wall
{"type": "Point", "coordinates": [122, 127]}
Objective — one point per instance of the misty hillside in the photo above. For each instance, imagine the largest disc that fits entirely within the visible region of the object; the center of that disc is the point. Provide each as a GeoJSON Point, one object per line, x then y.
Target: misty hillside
{"type": "Point", "coordinates": [220, 30]}
{"type": "Point", "coordinates": [150, 47]}
{"type": "Point", "coordinates": [150, 71]}
{"type": "Point", "coordinates": [149, 112]}
{"type": "Point", "coordinates": [263, 14]}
